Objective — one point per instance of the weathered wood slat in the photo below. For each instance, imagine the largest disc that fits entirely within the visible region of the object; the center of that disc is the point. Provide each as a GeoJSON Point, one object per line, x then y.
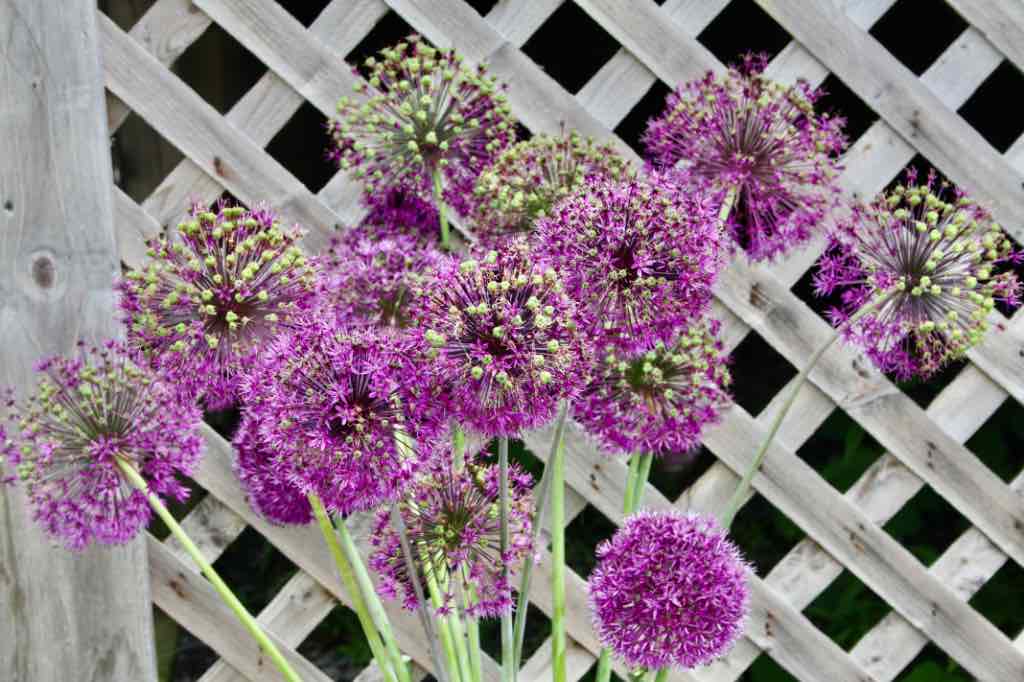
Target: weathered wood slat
{"type": "Point", "coordinates": [1002, 21]}
{"type": "Point", "coordinates": [59, 612]}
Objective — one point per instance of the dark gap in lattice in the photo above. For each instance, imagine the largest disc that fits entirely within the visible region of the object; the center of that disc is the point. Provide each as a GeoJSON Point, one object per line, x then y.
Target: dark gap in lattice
{"type": "Point", "coordinates": [254, 568]}
{"type": "Point", "coordinates": [673, 473]}
{"type": "Point", "coordinates": [999, 442]}
{"type": "Point", "coordinates": [538, 628]}
{"type": "Point", "coordinates": [1001, 599]}
{"type": "Point", "coordinates": [764, 534]}
{"type": "Point", "coordinates": [219, 68]}
{"type": "Point", "coordinates": [524, 457]}
{"type": "Point", "coordinates": [166, 633]}
{"type": "Point", "coordinates": [987, 109]}
{"type": "Point", "coordinates": [924, 391]}
{"type": "Point", "coordinates": [571, 64]}
{"type": "Point", "coordinates": [299, 146]}
{"type": "Point", "coordinates": [755, 358]}
{"type": "Point", "coordinates": [839, 100]}
{"type": "Point", "coordinates": [179, 510]}
{"type": "Point", "coordinates": [482, 7]}
{"type": "Point", "coordinates": [125, 14]}
{"type": "Point", "coordinates": [582, 536]}
{"type": "Point", "coordinates": [304, 11]}
{"type": "Point", "coordinates": [934, 665]}
{"type": "Point", "coordinates": [192, 658]}
{"type": "Point", "coordinates": [927, 525]}
{"type": "Point", "coordinates": [765, 669]}
{"type": "Point", "coordinates": [391, 29]}
{"type": "Point", "coordinates": [522, 132]}
{"type": "Point", "coordinates": [840, 450]}
{"type": "Point", "coordinates": [632, 127]}
{"type": "Point", "coordinates": [846, 610]}
{"type": "Point", "coordinates": [917, 35]}
{"type": "Point", "coordinates": [141, 157]}
{"type": "Point", "coordinates": [224, 422]}
{"type": "Point", "coordinates": [337, 645]}
{"type": "Point", "coordinates": [740, 28]}
{"type": "Point", "coordinates": [821, 304]}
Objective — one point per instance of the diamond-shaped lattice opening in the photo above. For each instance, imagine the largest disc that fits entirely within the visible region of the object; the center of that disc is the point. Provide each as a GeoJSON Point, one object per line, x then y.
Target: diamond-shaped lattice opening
{"type": "Point", "coordinates": [923, 167]}
{"type": "Point", "coordinates": [820, 302]}
{"type": "Point", "coordinates": [765, 669]}
{"type": "Point", "coordinates": [986, 109]}
{"type": "Point", "coordinates": [219, 68]}
{"type": "Point", "coordinates": [575, 64]}
{"type": "Point", "coordinates": [1001, 440]}
{"type": "Point", "coordinates": [254, 569]}
{"type": "Point", "coordinates": [934, 665]}
{"type": "Point", "coordinates": [141, 157]}
{"type": "Point", "coordinates": [582, 536]}
{"type": "Point", "coordinates": [755, 358]}
{"type": "Point", "coordinates": [179, 510]}
{"type": "Point", "coordinates": [191, 657]}
{"type": "Point", "coordinates": [927, 525]}
{"type": "Point", "coordinates": [538, 628]}
{"type": "Point", "coordinates": [389, 30]}
{"type": "Point", "coordinates": [764, 533]}
{"type": "Point", "coordinates": [840, 450]}
{"type": "Point", "coordinates": [740, 28]}
{"type": "Point", "coordinates": [125, 14]}
{"type": "Point", "coordinates": [674, 473]}
{"type": "Point", "coordinates": [846, 610]}
{"type": "Point", "coordinates": [924, 391]}
{"type": "Point", "coordinates": [482, 7]}
{"type": "Point", "coordinates": [839, 100]}
{"type": "Point", "coordinates": [299, 146]}
{"type": "Point", "coordinates": [632, 127]}
{"type": "Point", "coordinates": [918, 48]}
{"type": "Point", "coordinates": [166, 634]}
{"type": "Point", "coordinates": [305, 11]}
{"type": "Point", "coordinates": [337, 645]}
{"type": "Point", "coordinates": [1001, 600]}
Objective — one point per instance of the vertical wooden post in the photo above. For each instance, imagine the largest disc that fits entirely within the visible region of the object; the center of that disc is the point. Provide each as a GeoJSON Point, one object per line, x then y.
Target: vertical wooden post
{"type": "Point", "coordinates": [62, 617]}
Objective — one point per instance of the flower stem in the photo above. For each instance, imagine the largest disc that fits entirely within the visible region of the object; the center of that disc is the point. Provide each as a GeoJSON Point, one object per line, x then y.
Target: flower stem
{"type": "Point", "coordinates": [740, 494]}
{"type": "Point", "coordinates": [458, 448]}
{"type": "Point", "coordinates": [452, 637]}
{"type": "Point", "coordinates": [349, 582]}
{"type": "Point", "coordinates": [540, 502]}
{"type": "Point", "coordinates": [640, 482]}
{"type": "Point", "coordinates": [229, 598]}
{"type": "Point", "coordinates": [661, 675]}
{"type": "Point", "coordinates": [727, 204]}
{"type": "Point", "coordinates": [557, 464]}
{"type": "Point", "coordinates": [442, 211]}
{"type": "Point", "coordinates": [472, 629]}
{"type": "Point", "coordinates": [373, 603]}
{"type": "Point", "coordinates": [508, 671]}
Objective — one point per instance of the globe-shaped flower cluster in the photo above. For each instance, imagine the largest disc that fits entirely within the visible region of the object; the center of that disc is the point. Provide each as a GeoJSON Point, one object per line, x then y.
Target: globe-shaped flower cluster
{"type": "Point", "coordinates": [267, 487]}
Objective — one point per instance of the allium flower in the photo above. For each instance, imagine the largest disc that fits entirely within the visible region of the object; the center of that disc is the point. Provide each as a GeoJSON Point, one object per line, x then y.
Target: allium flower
{"type": "Point", "coordinates": [504, 338]}
{"type": "Point", "coordinates": [209, 297]}
{"type": "Point", "coordinates": [919, 270]}
{"type": "Point", "coordinates": [669, 590]}
{"type": "Point", "coordinates": [423, 109]}
{"type": "Point", "coordinates": [265, 483]}
{"type": "Point", "coordinates": [657, 402]}
{"type": "Point", "coordinates": [529, 178]}
{"type": "Point", "coordinates": [452, 521]}
{"type": "Point", "coordinates": [398, 211]}
{"type": "Point", "coordinates": [86, 412]}
{"type": "Point", "coordinates": [639, 256]}
{"type": "Point", "coordinates": [370, 280]}
{"type": "Point", "coordinates": [332, 405]}
{"type": "Point", "coordinates": [764, 139]}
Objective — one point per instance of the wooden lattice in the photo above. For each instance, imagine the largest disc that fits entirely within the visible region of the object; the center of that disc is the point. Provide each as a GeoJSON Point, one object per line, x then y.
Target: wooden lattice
{"type": "Point", "coordinates": [843, 531]}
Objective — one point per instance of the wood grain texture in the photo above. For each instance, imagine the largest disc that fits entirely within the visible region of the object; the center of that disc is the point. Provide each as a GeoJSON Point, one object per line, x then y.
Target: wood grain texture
{"type": "Point", "coordinates": [59, 612]}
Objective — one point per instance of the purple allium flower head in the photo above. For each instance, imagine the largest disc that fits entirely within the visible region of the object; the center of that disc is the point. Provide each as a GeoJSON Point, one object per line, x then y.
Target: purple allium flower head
{"type": "Point", "coordinates": [338, 408]}
{"type": "Point", "coordinates": [747, 132]}
{"type": "Point", "coordinates": [639, 256]}
{"type": "Point", "coordinates": [658, 401]}
{"type": "Point", "coordinates": [209, 297]}
{"type": "Point", "coordinates": [266, 485]}
{"type": "Point", "coordinates": [529, 178]}
{"type": "Point", "coordinates": [86, 412]}
{"type": "Point", "coordinates": [452, 517]}
{"type": "Point", "coordinates": [504, 339]}
{"type": "Point", "coordinates": [422, 109]}
{"type": "Point", "coordinates": [669, 590]}
{"type": "Point", "coordinates": [370, 280]}
{"type": "Point", "coordinates": [400, 211]}
{"type": "Point", "coordinates": [926, 257]}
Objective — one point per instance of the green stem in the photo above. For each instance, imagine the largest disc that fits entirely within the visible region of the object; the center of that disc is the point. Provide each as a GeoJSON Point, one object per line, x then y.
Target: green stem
{"type": "Point", "coordinates": [640, 483]}
{"type": "Point", "coordinates": [472, 629]}
{"type": "Point", "coordinates": [727, 204]}
{"type": "Point", "coordinates": [557, 464]}
{"type": "Point", "coordinates": [661, 675]}
{"type": "Point", "coordinates": [458, 448]}
{"type": "Point", "coordinates": [634, 469]}
{"type": "Point", "coordinates": [604, 666]}
{"type": "Point", "coordinates": [442, 211]}
{"type": "Point", "coordinates": [243, 615]}
{"type": "Point", "coordinates": [508, 672]}
{"type": "Point", "coordinates": [373, 603]}
{"type": "Point", "coordinates": [456, 645]}
{"type": "Point", "coordinates": [540, 502]}
{"type": "Point", "coordinates": [443, 625]}
{"type": "Point", "coordinates": [740, 494]}
{"type": "Point", "coordinates": [349, 582]}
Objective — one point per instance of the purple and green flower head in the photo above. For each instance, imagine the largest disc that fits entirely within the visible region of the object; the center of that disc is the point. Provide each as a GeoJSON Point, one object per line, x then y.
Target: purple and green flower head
{"type": "Point", "coordinates": [761, 140]}
{"type": "Point", "coordinates": [921, 269]}
{"type": "Point", "coordinates": [658, 401]}
{"type": "Point", "coordinates": [639, 256]}
{"type": "Point", "coordinates": [266, 484]}
{"type": "Point", "coordinates": [504, 339]}
{"type": "Point", "coordinates": [213, 293]}
{"type": "Point", "coordinates": [87, 412]}
{"type": "Point", "coordinates": [423, 109]}
{"type": "Point", "coordinates": [669, 590]}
